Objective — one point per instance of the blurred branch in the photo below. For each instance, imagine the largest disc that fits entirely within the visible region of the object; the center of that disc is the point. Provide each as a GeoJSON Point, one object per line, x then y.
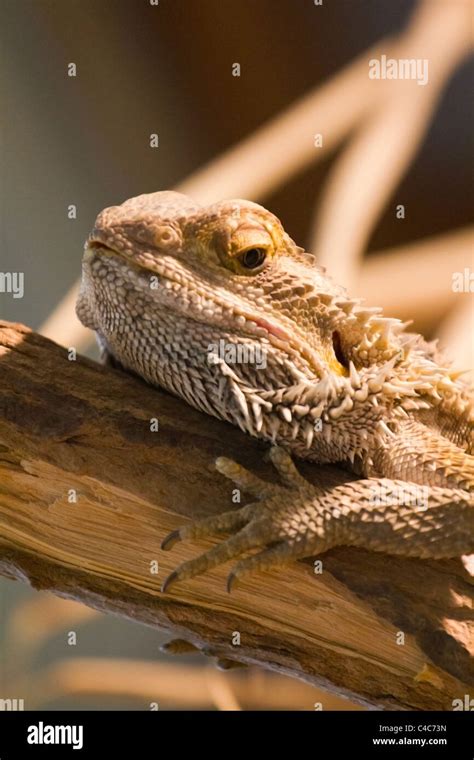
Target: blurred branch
{"type": "Point", "coordinates": [367, 172]}
{"type": "Point", "coordinates": [456, 335]}
{"type": "Point", "coordinates": [285, 145]}
{"type": "Point", "coordinates": [35, 620]}
{"type": "Point", "coordinates": [171, 685]}
{"type": "Point", "coordinates": [414, 281]}
{"type": "Point", "coordinates": [63, 326]}
{"type": "Point", "coordinates": [82, 513]}
{"type": "Point", "coordinates": [222, 691]}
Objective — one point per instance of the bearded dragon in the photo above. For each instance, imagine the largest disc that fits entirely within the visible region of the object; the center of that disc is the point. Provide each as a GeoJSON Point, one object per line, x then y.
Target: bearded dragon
{"type": "Point", "coordinates": [217, 305]}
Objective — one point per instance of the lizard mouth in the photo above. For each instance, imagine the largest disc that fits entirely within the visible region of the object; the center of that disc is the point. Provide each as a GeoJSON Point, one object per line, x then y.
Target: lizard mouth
{"type": "Point", "coordinates": [176, 285]}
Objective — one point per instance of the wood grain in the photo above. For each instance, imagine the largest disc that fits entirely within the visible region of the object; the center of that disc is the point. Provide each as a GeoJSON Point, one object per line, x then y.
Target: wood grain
{"type": "Point", "coordinates": [75, 427]}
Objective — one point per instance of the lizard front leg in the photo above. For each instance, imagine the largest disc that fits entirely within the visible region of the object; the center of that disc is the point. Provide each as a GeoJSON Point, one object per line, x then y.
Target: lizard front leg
{"type": "Point", "coordinates": [298, 519]}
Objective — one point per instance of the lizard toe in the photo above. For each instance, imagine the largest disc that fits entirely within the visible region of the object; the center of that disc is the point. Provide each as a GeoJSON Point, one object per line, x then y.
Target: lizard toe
{"type": "Point", "coordinates": [255, 534]}
{"type": "Point", "coordinates": [229, 521]}
{"type": "Point", "coordinates": [244, 478]}
{"type": "Point", "coordinates": [275, 556]}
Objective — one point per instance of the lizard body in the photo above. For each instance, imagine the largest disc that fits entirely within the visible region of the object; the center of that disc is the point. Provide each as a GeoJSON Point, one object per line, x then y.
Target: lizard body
{"type": "Point", "coordinates": [219, 306]}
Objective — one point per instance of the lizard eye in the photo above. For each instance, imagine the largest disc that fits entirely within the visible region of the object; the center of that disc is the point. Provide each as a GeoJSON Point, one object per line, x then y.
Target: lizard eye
{"type": "Point", "coordinates": [253, 258]}
{"type": "Point", "coordinates": [165, 236]}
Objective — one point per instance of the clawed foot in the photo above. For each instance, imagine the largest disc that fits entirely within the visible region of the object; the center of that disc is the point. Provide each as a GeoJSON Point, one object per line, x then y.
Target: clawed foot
{"type": "Point", "coordinates": [297, 519]}
{"type": "Point", "coordinates": [279, 522]}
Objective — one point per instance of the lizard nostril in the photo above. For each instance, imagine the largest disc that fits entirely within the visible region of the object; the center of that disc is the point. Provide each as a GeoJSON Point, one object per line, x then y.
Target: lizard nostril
{"type": "Point", "coordinates": [337, 347]}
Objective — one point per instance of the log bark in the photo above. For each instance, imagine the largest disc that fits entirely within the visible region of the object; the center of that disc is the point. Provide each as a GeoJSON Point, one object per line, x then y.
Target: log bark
{"type": "Point", "coordinates": [387, 632]}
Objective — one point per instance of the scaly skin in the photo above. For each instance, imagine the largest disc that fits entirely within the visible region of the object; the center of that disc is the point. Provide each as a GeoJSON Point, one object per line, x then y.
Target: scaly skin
{"type": "Point", "coordinates": [175, 291]}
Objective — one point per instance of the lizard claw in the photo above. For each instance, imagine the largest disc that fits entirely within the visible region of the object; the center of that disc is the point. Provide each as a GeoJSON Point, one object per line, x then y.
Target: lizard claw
{"type": "Point", "coordinates": [231, 582]}
{"type": "Point", "coordinates": [170, 540]}
{"type": "Point", "coordinates": [168, 582]}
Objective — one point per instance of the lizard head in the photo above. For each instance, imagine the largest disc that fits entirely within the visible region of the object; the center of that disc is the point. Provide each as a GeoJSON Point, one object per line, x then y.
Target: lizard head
{"type": "Point", "coordinates": [189, 296]}
{"type": "Point", "coordinates": [230, 265]}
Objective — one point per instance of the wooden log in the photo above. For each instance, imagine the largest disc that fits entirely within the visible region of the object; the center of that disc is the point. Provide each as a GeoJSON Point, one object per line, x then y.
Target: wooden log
{"type": "Point", "coordinates": [87, 492]}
